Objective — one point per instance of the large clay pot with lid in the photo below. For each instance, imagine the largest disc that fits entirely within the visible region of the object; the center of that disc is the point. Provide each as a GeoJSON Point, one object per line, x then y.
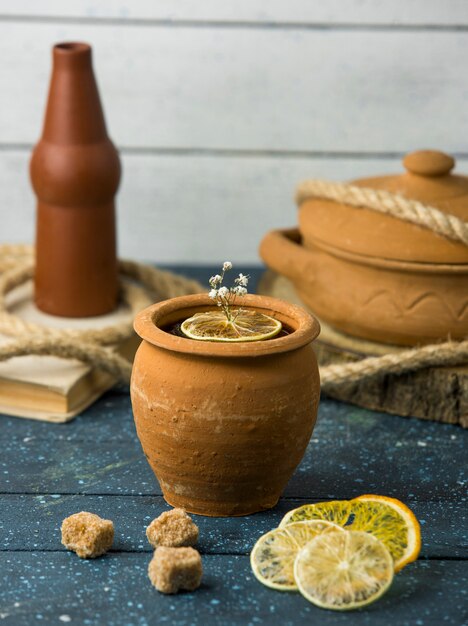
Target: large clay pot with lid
{"type": "Point", "coordinates": [75, 172]}
{"type": "Point", "coordinates": [224, 426]}
{"type": "Point", "coordinates": [375, 276]}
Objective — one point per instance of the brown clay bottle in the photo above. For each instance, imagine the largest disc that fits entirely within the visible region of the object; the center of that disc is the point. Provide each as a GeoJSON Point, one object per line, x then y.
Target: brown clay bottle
{"type": "Point", "coordinates": [75, 173]}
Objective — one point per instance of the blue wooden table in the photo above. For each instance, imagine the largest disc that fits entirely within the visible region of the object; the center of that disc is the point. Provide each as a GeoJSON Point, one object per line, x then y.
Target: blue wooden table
{"type": "Point", "coordinates": [95, 463]}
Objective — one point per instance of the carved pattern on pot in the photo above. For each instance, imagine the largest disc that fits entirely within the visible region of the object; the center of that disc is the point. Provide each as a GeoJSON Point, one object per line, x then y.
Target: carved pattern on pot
{"type": "Point", "coordinates": [428, 299]}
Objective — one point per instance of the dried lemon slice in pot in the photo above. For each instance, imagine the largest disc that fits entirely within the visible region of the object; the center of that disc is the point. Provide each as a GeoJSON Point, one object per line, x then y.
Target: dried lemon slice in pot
{"type": "Point", "coordinates": [245, 325]}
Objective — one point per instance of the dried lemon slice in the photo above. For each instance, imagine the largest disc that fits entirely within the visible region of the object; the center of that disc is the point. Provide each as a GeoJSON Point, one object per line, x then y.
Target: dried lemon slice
{"type": "Point", "coordinates": [272, 558]}
{"type": "Point", "coordinates": [386, 518]}
{"type": "Point", "coordinates": [391, 521]}
{"type": "Point", "coordinates": [343, 571]}
{"type": "Point", "coordinates": [336, 511]}
{"type": "Point", "coordinates": [246, 325]}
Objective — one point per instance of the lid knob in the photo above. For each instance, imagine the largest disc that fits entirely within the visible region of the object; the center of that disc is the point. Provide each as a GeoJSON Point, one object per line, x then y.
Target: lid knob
{"type": "Point", "coordinates": [428, 163]}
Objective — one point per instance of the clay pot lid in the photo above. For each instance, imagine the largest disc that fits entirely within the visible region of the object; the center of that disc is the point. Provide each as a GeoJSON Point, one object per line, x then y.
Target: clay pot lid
{"type": "Point", "coordinates": [429, 179]}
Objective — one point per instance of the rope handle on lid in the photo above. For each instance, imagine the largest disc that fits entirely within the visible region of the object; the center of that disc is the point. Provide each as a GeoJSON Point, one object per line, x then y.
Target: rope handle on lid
{"type": "Point", "coordinates": [395, 205]}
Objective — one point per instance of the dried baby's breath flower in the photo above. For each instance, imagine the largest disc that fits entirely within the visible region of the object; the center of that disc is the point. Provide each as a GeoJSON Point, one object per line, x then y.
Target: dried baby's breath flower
{"type": "Point", "coordinates": [242, 280]}
{"type": "Point", "coordinates": [215, 280]}
{"type": "Point", "coordinates": [225, 296]}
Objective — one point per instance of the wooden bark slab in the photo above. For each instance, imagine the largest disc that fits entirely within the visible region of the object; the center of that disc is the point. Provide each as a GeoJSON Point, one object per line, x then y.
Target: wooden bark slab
{"type": "Point", "coordinates": [438, 394]}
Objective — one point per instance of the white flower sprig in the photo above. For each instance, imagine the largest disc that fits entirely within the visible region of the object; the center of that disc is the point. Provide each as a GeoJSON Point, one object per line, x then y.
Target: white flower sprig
{"type": "Point", "coordinates": [225, 296]}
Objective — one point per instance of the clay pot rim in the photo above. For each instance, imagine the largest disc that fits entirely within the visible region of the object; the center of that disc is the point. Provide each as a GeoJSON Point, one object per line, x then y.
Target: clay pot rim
{"type": "Point", "coordinates": [305, 327]}
{"type": "Point", "coordinates": [294, 236]}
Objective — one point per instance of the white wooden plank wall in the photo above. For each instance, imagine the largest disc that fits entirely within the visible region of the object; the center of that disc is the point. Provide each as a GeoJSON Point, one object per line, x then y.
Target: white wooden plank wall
{"type": "Point", "coordinates": [220, 107]}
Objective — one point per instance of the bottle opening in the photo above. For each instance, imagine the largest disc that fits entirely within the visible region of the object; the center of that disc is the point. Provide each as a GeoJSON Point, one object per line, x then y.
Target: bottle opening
{"type": "Point", "coordinates": [72, 47]}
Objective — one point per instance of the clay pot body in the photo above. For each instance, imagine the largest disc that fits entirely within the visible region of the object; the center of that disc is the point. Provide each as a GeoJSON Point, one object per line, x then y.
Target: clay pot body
{"type": "Point", "coordinates": [377, 277]}
{"type": "Point", "coordinates": [387, 301]}
{"type": "Point", "coordinates": [75, 172]}
{"type": "Point", "coordinates": [224, 426]}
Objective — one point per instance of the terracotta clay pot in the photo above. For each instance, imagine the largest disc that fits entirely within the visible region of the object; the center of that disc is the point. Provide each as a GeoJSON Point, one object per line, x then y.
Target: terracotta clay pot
{"type": "Point", "coordinates": [75, 172]}
{"type": "Point", "coordinates": [224, 426]}
{"type": "Point", "coordinates": [377, 277]}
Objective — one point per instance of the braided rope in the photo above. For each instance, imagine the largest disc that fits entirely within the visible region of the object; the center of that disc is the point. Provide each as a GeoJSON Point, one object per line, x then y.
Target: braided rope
{"type": "Point", "coordinates": [412, 360]}
{"type": "Point", "coordinates": [332, 376]}
{"type": "Point", "coordinates": [89, 353]}
{"type": "Point", "coordinates": [161, 283]}
{"type": "Point", "coordinates": [12, 254]}
{"type": "Point", "coordinates": [398, 206]}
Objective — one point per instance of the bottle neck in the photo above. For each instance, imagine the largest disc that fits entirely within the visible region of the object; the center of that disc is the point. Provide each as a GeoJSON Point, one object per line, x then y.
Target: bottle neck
{"type": "Point", "coordinates": [74, 114]}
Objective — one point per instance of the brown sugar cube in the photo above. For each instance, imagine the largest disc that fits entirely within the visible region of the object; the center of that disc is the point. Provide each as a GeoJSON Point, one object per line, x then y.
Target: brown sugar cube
{"type": "Point", "coordinates": [172, 529]}
{"type": "Point", "coordinates": [87, 534]}
{"type": "Point", "coordinates": [175, 569]}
